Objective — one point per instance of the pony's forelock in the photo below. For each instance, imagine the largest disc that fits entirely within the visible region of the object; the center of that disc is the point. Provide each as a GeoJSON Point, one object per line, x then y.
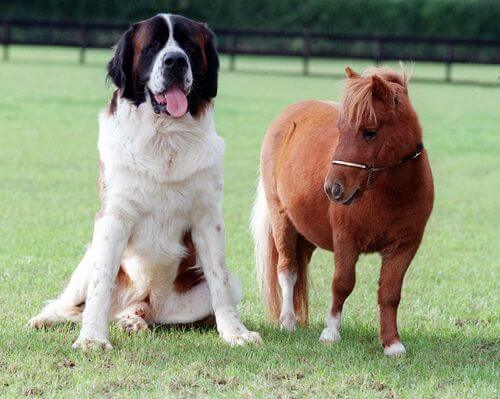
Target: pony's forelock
{"type": "Point", "coordinates": [357, 95]}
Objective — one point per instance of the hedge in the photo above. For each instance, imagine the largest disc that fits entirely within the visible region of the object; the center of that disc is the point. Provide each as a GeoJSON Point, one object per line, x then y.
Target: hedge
{"type": "Point", "coordinates": [466, 18]}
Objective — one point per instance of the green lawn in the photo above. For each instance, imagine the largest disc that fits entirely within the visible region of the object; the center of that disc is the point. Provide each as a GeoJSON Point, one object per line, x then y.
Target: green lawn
{"type": "Point", "coordinates": [449, 315]}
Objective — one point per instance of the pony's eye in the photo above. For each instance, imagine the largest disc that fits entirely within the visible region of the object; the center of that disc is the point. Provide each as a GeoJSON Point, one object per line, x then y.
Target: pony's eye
{"type": "Point", "coordinates": [369, 134]}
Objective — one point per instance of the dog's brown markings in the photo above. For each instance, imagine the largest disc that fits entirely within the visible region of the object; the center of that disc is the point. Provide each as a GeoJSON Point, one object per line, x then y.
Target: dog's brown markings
{"type": "Point", "coordinates": [388, 217]}
{"type": "Point", "coordinates": [123, 279]}
{"type": "Point", "coordinates": [199, 37]}
{"type": "Point", "coordinates": [142, 36]}
{"type": "Point", "coordinates": [113, 103]}
{"type": "Point", "coordinates": [188, 274]}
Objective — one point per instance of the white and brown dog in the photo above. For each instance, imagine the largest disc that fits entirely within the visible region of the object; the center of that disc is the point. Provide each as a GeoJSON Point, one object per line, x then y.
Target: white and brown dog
{"type": "Point", "coordinates": [158, 250]}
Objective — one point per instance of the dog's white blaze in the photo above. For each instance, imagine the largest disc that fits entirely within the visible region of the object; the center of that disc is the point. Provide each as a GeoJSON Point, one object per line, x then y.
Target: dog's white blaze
{"type": "Point", "coordinates": [156, 79]}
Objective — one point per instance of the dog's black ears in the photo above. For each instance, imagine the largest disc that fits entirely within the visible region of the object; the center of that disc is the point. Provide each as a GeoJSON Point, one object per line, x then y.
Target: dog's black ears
{"type": "Point", "coordinates": [212, 64]}
{"type": "Point", "coordinates": [120, 66]}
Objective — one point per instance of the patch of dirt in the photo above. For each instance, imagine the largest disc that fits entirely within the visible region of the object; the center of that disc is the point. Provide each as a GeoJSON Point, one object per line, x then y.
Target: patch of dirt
{"type": "Point", "coordinates": [68, 363]}
{"type": "Point", "coordinates": [471, 322]}
{"type": "Point", "coordinates": [32, 392]}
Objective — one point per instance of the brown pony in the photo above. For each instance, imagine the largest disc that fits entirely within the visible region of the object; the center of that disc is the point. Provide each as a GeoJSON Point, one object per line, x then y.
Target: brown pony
{"type": "Point", "coordinates": [351, 178]}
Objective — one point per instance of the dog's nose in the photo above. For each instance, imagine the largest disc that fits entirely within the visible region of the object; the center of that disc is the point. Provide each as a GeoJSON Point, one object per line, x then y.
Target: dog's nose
{"type": "Point", "coordinates": [175, 60]}
{"type": "Point", "coordinates": [337, 190]}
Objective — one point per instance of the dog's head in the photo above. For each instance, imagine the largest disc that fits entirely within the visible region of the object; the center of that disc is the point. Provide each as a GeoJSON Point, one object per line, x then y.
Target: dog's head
{"type": "Point", "coordinates": [169, 58]}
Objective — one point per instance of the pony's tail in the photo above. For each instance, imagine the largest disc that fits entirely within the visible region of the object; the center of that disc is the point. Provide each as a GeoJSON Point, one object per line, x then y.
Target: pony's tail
{"type": "Point", "coordinates": [266, 254]}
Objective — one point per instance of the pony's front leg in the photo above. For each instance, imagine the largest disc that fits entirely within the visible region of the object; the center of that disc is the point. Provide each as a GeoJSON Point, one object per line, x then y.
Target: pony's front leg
{"type": "Point", "coordinates": [394, 266]}
{"type": "Point", "coordinates": [111, 234]}
{"type": "Point", "coordinates": [345, 256]}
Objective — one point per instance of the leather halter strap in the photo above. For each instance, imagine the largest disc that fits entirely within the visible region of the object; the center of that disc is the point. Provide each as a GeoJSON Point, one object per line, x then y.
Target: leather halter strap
{"type": "Point", "coordinates": [371, 168]}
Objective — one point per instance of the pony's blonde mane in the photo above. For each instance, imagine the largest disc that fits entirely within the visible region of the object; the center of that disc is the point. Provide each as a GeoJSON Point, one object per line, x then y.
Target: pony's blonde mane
{"type": "Point", "coordinates": [357, 96]}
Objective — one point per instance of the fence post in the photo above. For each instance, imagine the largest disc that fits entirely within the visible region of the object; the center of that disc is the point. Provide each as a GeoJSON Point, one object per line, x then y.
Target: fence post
{"type": "Point", "coordinates": [6, 40]}
{"type": "Point", "coordinates": [232, 51]}
{"type": "Point", "coordinates": [306, 51]}
{"type": "Point", "coordinates": [377, 51]}
{"type": "Point", "coordinates": [83, 42]}
{"type": "Point", "coordinates": [449, 59]}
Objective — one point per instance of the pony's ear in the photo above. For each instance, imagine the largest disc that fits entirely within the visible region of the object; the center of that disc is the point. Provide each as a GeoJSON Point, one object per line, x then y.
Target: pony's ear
{"type": "Point", "coordinates": [381, 90]}
{"type": "Point", "coordinates": [350, 73]}
{"type": "Point", "coordinates": [212, 64]}
{"type": "Point", "coordinates": [120, 66]}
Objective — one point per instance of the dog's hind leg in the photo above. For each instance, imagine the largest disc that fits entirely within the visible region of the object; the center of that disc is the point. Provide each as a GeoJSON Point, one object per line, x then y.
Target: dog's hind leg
{"type": "Point", "coordinates": [69, 305]}
{"type": "Point", "coordinates": [192, 305]}
{"type": "Point", "coordinates": [135, 318]}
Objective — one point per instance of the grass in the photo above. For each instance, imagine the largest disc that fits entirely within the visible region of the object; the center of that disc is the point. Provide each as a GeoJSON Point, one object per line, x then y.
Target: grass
{"type": "Point", "coordinates": [449, 316]}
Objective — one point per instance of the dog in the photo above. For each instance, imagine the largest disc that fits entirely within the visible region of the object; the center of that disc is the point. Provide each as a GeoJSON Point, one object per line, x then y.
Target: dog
{"type": "Point", "coordinates": [157, 254]}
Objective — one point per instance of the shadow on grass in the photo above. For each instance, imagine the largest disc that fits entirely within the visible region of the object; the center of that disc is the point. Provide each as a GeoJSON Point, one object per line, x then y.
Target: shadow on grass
{"type": "Point", "coordinates": [436, 360]}
{"type": "Point", "coordinates": [357, 338]}
{"type": "Point", "coordinates": [454, 348]}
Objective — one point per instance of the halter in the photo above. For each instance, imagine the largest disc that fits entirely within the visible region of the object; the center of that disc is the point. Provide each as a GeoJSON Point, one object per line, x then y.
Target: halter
{"type": "Point", "coordinates": [371, 168]}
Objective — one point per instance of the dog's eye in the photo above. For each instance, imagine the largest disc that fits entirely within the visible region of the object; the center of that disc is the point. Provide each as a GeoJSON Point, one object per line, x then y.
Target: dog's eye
{"type": "Point", "coordinates": [369, 134]}
{"type": "Point", "coordinates": [154, 45]}
{"type": "Point", "coordinates": [189, 47]}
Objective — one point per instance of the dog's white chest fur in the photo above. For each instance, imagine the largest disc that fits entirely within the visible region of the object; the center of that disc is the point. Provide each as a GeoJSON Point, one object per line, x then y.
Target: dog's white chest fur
{"type": "Point", "coordinates": [160, 168]}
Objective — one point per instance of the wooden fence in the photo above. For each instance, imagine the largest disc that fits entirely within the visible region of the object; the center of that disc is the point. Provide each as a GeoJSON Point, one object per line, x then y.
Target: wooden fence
{"type": "Point", "coordinates": [257, 42]}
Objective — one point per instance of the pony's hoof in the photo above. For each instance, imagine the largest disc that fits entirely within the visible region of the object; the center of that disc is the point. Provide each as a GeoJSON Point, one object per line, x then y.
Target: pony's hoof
{"type": "Point", "coordinates": [92, 344]}
{"type": "Point", "coordinates": [249, 337]}
{"type": "Point", "coordinates": [288, 323]}
{"type": "Point", "coordinates": [132, 324]}
{"type": "Point", "coordinates": [395, 349]}
{"type": "Point", "coordinates": [329, 335]}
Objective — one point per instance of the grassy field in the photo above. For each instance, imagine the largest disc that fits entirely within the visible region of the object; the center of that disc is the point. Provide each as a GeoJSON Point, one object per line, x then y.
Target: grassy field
{"type": "Point", "coordinates": [449, 315]}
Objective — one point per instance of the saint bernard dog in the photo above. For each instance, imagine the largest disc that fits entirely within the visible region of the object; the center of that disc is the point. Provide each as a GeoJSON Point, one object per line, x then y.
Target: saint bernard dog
{"type": "Point", "coordinates": [158, 250]}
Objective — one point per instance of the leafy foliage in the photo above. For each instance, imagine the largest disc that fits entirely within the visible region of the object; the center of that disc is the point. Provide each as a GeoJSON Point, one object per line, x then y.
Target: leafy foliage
{"type": "Point", "coordinates": [422, 17]}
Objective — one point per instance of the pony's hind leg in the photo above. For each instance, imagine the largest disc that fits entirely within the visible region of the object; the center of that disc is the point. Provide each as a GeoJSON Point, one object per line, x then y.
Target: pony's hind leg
{"type": "Point", "coordinates": [69, 305]}
{"type": "Point", "coordinates": [282, 256]}
{"type": "Point", "coordinates": [285, 238]}
{"type": "Point", "coordinates": [394, 266]}
{"type": "Point", "coordinates": [343, 283]}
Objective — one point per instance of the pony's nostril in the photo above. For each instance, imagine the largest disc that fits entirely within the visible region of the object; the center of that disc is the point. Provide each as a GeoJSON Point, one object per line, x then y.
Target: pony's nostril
{"type": "Point", "coordinates": [337, 190]}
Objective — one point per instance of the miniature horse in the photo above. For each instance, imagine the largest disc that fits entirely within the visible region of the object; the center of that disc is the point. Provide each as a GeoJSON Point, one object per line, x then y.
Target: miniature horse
{"type": "Point", "coordinates": [379, 195]}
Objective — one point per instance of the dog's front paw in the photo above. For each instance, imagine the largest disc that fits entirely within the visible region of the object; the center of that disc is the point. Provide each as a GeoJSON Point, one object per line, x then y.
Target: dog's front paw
{"type": "Point", "coordinates": [86, 344]}
{"type": "Point", "coordinates": [248, 337]}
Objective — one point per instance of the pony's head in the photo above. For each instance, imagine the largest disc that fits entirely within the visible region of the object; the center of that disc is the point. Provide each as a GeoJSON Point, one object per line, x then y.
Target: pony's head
{"type": "Point", "coordinates": [378, 127]}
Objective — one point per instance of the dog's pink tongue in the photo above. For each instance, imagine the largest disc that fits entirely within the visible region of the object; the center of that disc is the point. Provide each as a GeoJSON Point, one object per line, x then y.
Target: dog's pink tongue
{"type": "Point", "coordinates": [177, 104]}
